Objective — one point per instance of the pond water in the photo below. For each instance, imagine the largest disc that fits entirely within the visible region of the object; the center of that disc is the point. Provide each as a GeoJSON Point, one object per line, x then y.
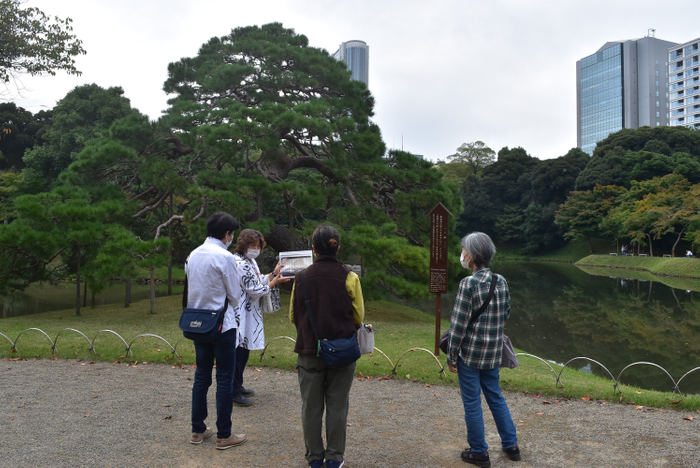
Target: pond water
{"type": "Point", "coordinates": [615, 317]}
{"type": "Point", "coordinates": [39, 298]}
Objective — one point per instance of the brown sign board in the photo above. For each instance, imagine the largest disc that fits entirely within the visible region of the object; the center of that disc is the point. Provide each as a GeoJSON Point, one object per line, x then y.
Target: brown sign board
{"type": "Point", "coordinates": [438, 248]}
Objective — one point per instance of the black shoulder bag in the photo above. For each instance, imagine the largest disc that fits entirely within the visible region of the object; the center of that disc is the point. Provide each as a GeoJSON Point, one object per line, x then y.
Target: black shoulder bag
{"type": "Point", "coordinates": [445, 336]}
{"type": "Point", "coordinates": [201, 324]}
{"type": "Point", "coordinates": [340, 352]}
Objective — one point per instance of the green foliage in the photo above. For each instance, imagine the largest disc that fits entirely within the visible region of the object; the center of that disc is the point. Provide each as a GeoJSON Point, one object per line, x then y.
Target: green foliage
{"type": "Point", "coordinates": [19, 131]}
{"type": "Point", "coordinates": [78, 118]}
{"type": "Point", "coordinates": [31, 42]}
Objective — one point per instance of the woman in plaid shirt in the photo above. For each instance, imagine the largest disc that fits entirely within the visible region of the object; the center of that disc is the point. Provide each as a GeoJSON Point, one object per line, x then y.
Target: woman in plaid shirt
{"type": "Point", "coordinates": [474, 349]}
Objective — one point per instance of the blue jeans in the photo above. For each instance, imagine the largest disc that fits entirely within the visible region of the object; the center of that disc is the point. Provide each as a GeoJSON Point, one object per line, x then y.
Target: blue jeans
{"type": "Point", "coordinates": [471, 383]}
{"type": "Point", "coordinates": [223, 351]}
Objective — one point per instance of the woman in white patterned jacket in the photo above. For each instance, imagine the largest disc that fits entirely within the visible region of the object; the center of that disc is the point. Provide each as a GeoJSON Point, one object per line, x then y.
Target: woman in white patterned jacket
{"type": "Point", "coordinates": [251, 335]}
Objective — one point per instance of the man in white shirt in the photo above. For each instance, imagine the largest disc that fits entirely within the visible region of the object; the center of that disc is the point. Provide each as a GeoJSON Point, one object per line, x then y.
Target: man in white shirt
{"type": "Point", "coordinates": [211, 279]}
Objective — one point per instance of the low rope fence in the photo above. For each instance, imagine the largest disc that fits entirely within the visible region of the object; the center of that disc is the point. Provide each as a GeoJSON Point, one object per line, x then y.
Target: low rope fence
{"type": "Point", "coordinates": [675, 388]}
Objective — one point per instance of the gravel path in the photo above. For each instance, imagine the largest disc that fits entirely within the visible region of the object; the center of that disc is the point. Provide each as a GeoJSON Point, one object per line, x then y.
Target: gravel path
{"type": "Point", "coordinates": [62, 413]}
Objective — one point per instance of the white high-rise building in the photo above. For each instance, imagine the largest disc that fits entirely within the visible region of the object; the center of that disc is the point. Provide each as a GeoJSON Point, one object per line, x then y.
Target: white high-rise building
{"type": "Point", "coordinates": [355, 54]}
{"type": "Point", "coordinates": [684, 84]}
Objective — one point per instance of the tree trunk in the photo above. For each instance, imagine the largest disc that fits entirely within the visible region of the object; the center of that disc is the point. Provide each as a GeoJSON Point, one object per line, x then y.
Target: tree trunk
{"type": "Point", "coordinates": [170, 260]}
{"type": "Point", "coordinates": [153, 291]}
{"type": "Point", "coordinates": [77, 286]}
{"type": "Point", "coordinates": [290, 217]}
{"type": "Point", "coordinates": [93, 298]}
{"type": "Point", "coordinates": [617, 246]}
{"type": "Point", "coordinates": [651, 249]}
{"type": "Point", "coordinates": [127, 295]}
{"type": "Point", "coordinates": [85, 291]}
{"type": "Point", "coordinates": [590, 247]}
{"type": "Point", "coordinates": [678, 239]}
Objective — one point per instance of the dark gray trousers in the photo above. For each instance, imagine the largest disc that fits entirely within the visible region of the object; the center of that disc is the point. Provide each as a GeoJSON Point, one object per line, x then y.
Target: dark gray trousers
{"type": "Point", "coordinates": [324, 386]}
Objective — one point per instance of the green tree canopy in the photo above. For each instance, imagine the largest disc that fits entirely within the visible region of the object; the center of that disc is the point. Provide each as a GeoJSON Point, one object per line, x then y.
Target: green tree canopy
{"type": "Point", "coordinates": [79, 117]}
{"type": "Point", "coordinates": [31, 42]}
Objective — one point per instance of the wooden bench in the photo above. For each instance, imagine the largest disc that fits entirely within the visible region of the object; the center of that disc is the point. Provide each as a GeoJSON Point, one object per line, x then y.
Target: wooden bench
{"type": "Point", "coordinates": [613, 253]}
{"type": "Point", "coordinates": [667, 255]}
{"type": "Point", "coordinates": [643, 255]}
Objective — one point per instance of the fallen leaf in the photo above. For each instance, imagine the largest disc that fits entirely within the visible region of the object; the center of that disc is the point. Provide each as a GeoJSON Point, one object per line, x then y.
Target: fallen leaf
{"type": "Point", "coordinates": [189, 378]}
{"type": "Point", "coordinates": [689, 418]}
{"type": "Point", "coordinates": [536, 396]}
{"type": "Point", "coordinates": [122, 357]}
{"type": "Point", "coordinates": [586, 398]}
{"type": "Point", "coordinates": [545, 402]}
{"type": "Point", "coordinates": [155, 384]}
{"type": "Point", "coordinates": [438, 424]}
{"type": "Point", "coordinates": [91, 362]}
{"type": "Point", "coordinates": [12, 419]}
{"type": "Point", "coordinates": [427, 385]}
{"type": "Point", "coordinates": [165, 405]}
{"type": "Point", "coordinates": [168, 417]}
{"type": "Point", "coordinates": [378, 379]}
{"type": "Point", "coordinates": [539, 414]}
{"type": "Point", "coordinates": [675, 402]}
{"type": "Point", "coordinates": [638, 407]}
{"type": "Point", "coordinates": [415, 379]}
{"type": "Point", "coordinates": [638, 392]}
{"type": "Point", "coordinates": [87, 415]}
{"type": "Point", "coordinates": [255, 378]}
{"type": "Point", "coordinates": [436, 394]}
{"type": "Point", "coordinates": [349, 424]}
{"type": "Point", "coordinates": [699, 411]}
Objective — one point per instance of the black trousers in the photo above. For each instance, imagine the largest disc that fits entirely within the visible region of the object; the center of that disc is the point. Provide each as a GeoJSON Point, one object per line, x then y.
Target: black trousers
{"type": "Point", "coordinates": [242, 355]}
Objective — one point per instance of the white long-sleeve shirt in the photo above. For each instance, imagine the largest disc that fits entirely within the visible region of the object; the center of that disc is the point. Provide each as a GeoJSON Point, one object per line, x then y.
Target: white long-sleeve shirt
{"type": "Point", "coordinates": [211, 277]}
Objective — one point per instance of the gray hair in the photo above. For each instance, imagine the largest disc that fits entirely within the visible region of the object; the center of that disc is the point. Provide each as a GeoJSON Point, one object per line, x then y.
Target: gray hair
{"type": "Point", "coordinates": [480, 248]}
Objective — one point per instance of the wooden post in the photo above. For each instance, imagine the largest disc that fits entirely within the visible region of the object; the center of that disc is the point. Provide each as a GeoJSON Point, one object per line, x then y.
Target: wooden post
{"type": "Point", "coordinates": [438, 262]}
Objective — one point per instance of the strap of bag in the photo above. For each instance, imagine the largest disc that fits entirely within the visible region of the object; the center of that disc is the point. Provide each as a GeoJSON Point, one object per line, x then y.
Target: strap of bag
{"type": "Point", "coordinates": [309, 312]}
{"type": "Point", "coordinates": [492, 288]}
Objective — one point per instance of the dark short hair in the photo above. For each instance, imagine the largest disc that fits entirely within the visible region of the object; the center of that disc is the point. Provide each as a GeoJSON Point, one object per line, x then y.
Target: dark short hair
{"type": "Point", "coordinates": [326, 240]}
{"type": "Point", "coordinates": [248, 238]}
{"type": "Point", "coordinates": [220, 223]}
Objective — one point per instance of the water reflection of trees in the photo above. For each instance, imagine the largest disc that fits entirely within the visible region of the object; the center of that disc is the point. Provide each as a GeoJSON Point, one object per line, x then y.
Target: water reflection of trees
{"type": "Point", "coordinates": [560, 315]}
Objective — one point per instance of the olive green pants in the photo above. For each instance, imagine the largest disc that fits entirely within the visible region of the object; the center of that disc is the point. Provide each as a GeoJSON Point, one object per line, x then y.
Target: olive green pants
{"type": "Point", "coordinates": [324, 386]}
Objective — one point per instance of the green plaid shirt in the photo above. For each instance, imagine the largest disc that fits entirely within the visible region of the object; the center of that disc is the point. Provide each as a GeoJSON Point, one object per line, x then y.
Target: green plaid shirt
{"type": "Point", "coordinates": [479, 345]}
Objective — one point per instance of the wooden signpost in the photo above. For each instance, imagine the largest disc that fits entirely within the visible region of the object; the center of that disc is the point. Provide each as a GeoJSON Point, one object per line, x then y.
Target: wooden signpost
{"type": "Point", "coordinates": [438, 261]}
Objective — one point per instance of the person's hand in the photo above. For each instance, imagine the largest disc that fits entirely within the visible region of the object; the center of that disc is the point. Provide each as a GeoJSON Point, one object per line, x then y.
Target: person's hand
{"type": "Point", "coordinates": [277, 269]}
{"type": "Point", "coordinates": [453, 369]}
{"type": "Point", "coordinates": [278, 279]}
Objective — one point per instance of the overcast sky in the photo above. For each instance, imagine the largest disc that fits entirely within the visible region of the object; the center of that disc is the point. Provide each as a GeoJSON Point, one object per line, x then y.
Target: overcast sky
{"type": "Point", "coordinates": [443, 72]}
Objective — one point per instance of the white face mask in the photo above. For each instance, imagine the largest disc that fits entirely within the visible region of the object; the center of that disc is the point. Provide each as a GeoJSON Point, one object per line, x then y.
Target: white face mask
{"type": "Point", "coordinates": [228, 244]}
{"type": "Point", "coordinates": [252, 253]}
{"type": "Point", "coordinates": [464, 263]}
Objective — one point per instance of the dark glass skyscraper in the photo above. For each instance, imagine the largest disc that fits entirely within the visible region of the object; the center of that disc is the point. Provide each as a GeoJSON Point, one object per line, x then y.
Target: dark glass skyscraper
{"type": "Point", "coordinates": [623, 85]}
{"type": "Point", "coordinates": [355, 54]}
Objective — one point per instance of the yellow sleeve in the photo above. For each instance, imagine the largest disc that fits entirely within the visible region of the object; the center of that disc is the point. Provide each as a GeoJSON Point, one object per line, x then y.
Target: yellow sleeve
{"type": "Point", "coordinates": [291, 304]}
{"type": "Point", "coordinates": [352, 284]}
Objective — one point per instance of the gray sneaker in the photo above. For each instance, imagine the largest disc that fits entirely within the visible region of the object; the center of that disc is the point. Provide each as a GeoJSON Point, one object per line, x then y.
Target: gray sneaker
{"type": "Point", "coordinates": [234, 440]}
{"type": "Point", "coordinates": [198, 438]}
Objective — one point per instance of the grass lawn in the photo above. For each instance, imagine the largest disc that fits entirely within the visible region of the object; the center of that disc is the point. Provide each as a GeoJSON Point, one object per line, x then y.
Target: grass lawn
{"type": "Point", "coordinates": [663, 266]}
{"type": "Point", "coordinates": [398, 329]}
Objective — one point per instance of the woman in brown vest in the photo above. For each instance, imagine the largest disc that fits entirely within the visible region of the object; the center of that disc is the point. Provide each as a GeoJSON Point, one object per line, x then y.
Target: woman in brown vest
{"type": "Point", "coordinates": [338, 308]}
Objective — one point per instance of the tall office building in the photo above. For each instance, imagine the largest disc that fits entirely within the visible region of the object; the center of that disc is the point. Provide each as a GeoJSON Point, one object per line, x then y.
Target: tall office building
{"type": "Point", "coordinates": [684, 84]}
{"type": "Point", "coordinates": [623, 85]}
{"type": "Point", "coordinates": [355, 54]}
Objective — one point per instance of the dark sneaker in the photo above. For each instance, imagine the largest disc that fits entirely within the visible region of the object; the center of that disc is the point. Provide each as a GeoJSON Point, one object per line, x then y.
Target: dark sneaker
{"type": "Point", "coordinates": [198, 438]}
{"type": "Point", "coordinates": [316, 463]}
{"type": "Point", "coordinates": [240, 400]}
{"type": "Point", "coordinates": [335, 463]}
{"type": "Point", "coordinates": [233, 441]}
{"type": "Point", "coordinates": [476, 458]}
{"type": "Point", "coordinates": [513, 453]}
{"type": "Point", "coordinates": [247, 393]}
